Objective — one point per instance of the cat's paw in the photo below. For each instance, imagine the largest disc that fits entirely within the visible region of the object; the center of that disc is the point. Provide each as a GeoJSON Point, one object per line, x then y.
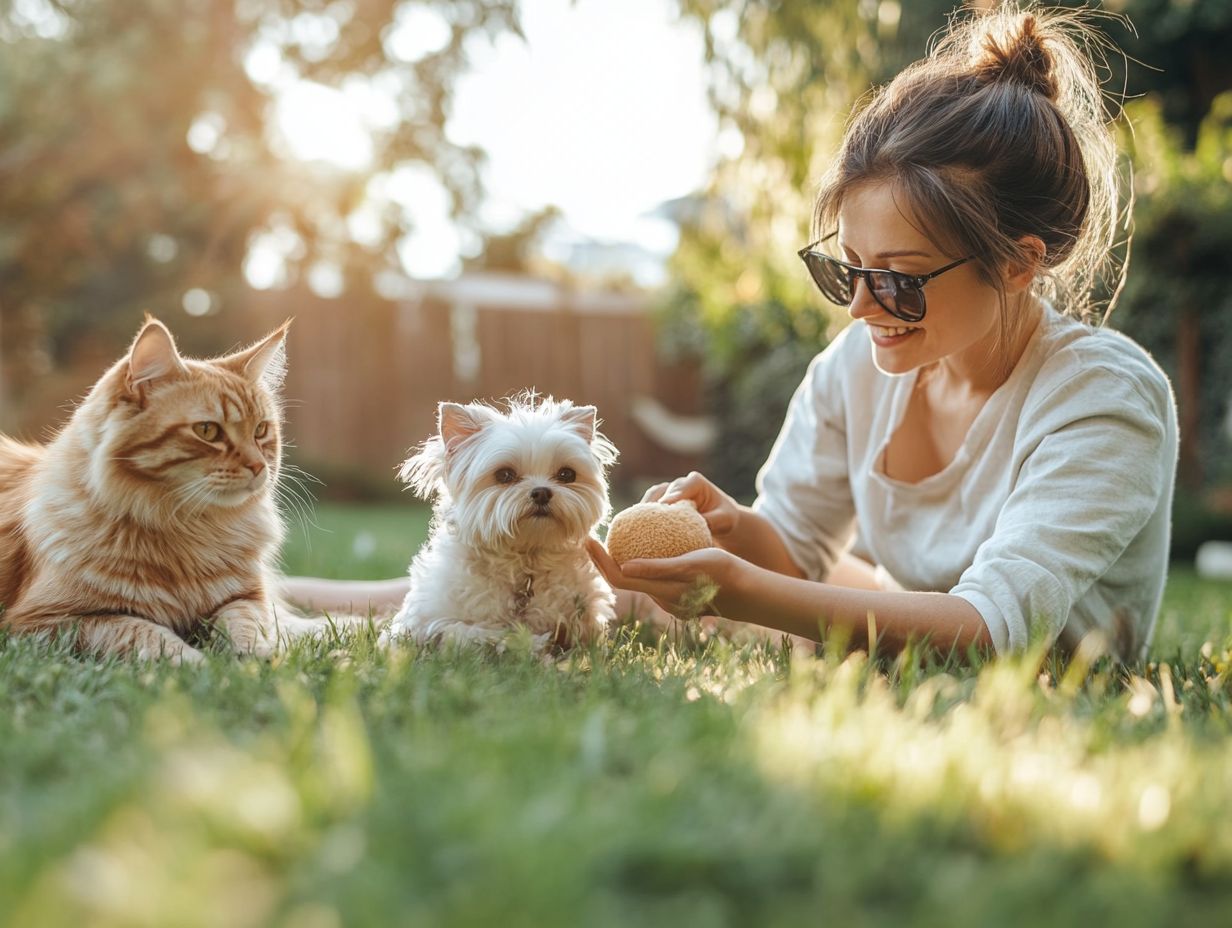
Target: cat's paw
{"type": "Point", "coordinates": [247, 629]}
{"type": "Point", "coordinates": [186, 655]}
{"type": "Point", "coordinates": [174, 652]}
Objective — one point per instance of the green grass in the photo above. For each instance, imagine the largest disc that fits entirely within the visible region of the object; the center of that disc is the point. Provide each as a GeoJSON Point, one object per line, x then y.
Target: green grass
{"type": "Point", "coordinates": [684, 782]}
{"type": "Point", "coordinates": [356, 542]}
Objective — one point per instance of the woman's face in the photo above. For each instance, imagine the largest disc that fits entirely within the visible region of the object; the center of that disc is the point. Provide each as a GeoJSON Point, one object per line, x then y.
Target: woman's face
{"type": "Point", "coordinates": [961, 325]}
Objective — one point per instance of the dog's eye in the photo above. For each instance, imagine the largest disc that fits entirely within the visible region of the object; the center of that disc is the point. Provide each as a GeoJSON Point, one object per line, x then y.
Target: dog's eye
{"type": "Point", "coordinates": [506, 475]}
{"type": "Point", "coordinates": [566, 475]}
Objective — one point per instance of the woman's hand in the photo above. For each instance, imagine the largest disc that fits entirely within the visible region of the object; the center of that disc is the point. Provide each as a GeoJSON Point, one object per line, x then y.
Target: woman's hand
{"type": "Point", "coordinates": [672, 582]}
{"type": "Point", "coordinates": [721, 512]}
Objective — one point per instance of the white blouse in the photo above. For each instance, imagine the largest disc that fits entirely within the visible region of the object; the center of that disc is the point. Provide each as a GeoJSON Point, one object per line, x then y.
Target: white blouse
{"type": "Point", "coordinates": [1053, 518]}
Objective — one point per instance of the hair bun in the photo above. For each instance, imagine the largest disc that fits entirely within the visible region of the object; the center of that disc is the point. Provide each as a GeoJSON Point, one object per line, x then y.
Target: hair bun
{"type": "Point", "coordinates": [1017, 56]}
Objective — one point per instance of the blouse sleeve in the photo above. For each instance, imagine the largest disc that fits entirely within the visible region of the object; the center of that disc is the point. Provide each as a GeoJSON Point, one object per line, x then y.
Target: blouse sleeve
{"type": "Point", "coordinates": [1101, 449]}
{"type": "Point", "coordinates": [803, 489]}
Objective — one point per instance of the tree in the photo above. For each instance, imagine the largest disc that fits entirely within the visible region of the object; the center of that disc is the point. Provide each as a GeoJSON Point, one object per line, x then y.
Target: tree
{"type": "Point", "coordinates": [1175, 302]}
{"type": "Point", "coordinates": [518, 251]}
{"type": "Point", "coordinates": [1177, 54]}
{"type": "Point", "coordinates": [139, 161]}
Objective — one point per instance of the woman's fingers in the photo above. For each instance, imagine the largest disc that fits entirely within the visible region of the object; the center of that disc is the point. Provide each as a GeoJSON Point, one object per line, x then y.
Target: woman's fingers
{"type": "Point", "coordinates": [720, 521]}
{"type": "Point", "coordinates": [692, 486]}
{"type": "Point", "coordinates": [603, 561]}
{"type": "Point", "coordinates": [652, 569]}
{"type": "Point", "coordinates": [715, 506]}
{"type": "Point", "coordinates": [663, 591]}
{"type": "Point", "coordinates": [655, 493]}
{"type": "Point", "coordinates": [683, 569]}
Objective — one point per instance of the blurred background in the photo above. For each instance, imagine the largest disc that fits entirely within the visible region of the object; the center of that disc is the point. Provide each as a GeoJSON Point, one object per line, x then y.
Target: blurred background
{"type": "Point", "coordinates": [598, 199]}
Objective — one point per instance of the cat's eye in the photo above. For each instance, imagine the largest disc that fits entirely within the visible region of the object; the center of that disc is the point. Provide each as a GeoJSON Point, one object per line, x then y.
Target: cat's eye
{"type": "Point", "coordinates": [208, 431]}
{"type": "Point", "coordinates": [262, 431]}
{"type": "Point", "coordinates": [566, 475]}
{"type": "Point", "coordinates": [506, 475]}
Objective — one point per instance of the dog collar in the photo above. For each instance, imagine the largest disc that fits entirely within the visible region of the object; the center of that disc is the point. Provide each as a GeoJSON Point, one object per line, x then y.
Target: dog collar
{"type": "Point", "coordinates": [524, 594]}
{"type": "Point", "coordinates": [560, 640]}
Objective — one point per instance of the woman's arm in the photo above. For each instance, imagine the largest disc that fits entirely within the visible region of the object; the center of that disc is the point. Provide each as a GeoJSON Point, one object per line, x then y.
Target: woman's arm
{"type": "Point", "coordinates": [753, 594]}
{"type": "Point", "coordinates": [755, 540]}
{"type": "Point", "coordinates": [806, 608]}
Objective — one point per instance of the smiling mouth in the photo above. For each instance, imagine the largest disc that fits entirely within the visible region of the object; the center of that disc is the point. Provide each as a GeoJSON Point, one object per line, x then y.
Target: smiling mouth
{"type": "Point", "coordinates": [891, 332]}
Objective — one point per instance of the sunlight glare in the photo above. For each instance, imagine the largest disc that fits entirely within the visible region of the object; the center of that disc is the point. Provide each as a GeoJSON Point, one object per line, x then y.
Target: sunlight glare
{"type": "Point", "coordinates": [608, 148]}
{"type": "Point", "coordinates": [265, 265]}
{"type": "Point", "coordinates": [319, 123]}
{"type": "Point", "coordinates": [417, 33]}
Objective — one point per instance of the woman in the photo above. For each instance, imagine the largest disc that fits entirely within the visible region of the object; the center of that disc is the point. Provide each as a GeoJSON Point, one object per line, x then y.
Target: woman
{"type": "Point", "coordinates": [968, 462]}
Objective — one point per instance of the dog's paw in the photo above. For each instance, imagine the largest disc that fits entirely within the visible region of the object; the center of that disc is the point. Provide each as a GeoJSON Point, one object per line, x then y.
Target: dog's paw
{"type": "Point", "coordinates": [392, 636]}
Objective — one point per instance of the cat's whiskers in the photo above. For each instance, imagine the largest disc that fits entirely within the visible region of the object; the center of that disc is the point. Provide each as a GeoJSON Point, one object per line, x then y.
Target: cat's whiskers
{"type": "Point", "coordinates": [292, 494]}
{"type": "Point", "coordinates": [194, 496]}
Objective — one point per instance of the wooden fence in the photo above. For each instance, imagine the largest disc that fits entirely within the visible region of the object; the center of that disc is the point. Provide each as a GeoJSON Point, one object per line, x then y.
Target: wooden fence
{"type": "Point", "coordinates": [364, 380]}
{"type": "Point", "coordinates": [365, 375]}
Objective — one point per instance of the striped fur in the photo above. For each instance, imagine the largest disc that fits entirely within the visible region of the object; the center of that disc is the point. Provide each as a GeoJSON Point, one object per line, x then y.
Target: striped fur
{"type": "Point", "coordinates": [138, 528]}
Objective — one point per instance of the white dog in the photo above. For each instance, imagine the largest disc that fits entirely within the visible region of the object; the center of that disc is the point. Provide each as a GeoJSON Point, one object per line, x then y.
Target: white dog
{"type": "Point", "coordinates": [516, 496]}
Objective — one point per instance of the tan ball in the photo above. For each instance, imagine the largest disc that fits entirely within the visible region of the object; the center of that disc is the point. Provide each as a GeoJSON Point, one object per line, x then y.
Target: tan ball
{"type": "Point", "coordinates": [657, 530]}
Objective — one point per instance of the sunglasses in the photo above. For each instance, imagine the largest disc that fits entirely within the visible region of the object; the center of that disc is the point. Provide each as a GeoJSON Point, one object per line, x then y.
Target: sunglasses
{"type": "Point", "coordinates": [901, 295]}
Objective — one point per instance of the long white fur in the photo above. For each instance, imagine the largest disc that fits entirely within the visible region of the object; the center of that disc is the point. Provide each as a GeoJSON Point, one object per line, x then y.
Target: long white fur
{"type": "Point", "coordinates": [468, 582]}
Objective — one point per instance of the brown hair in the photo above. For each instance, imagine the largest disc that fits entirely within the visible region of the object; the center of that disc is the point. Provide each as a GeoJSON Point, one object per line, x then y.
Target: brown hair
{"type": "Point", "coordinates": [999, 133]}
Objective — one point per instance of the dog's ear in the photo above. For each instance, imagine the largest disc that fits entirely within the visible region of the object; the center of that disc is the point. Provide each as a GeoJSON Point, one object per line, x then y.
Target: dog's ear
{"type": "Point", "coordinates": [457, 423]}
{"type": "Point", "coordinates": [424, 470]}
{"type": "Point", "coordinates": [583, 420]}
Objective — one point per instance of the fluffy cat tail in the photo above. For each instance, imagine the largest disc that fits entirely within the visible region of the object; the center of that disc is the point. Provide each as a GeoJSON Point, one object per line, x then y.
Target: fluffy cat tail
{"type": "Point", "coordinates": [17, 462]}
{"type": "Point", "coordinates": [16, 457]}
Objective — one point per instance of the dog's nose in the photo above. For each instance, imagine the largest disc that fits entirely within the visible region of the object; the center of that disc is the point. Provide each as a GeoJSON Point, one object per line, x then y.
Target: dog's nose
{"type": "Point", "coordinates": [541, 495]}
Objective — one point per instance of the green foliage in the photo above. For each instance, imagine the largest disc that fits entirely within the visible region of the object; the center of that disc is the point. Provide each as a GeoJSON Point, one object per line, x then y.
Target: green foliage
{"type": "Point", "coordinates": [1182, 237]}
{"type": "Point", "coordinates": [1195, 521]}
{"type": "Point", "coordinates": [1178, 56]}
{"type": "Point", "coordinates": [346, 542]}
{"type": "Point", "coordinates": [756, 356]}
{"type": "Point", "coordinates": [140, 159]}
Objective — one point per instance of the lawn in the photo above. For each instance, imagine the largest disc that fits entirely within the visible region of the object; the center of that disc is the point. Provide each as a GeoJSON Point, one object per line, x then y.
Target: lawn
{"type": "Point", "coordinates": [681, 783]}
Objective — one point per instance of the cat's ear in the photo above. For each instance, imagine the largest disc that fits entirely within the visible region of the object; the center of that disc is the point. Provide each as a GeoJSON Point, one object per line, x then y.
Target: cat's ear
{"type": "Point", "coordinates": [153, 356]}
{"type": "Point", "coordinates": [457, 423]}
{"type": "Point", "coordinates": [582, 419]}
{"type": "Point", "coordinates": [265, 362]}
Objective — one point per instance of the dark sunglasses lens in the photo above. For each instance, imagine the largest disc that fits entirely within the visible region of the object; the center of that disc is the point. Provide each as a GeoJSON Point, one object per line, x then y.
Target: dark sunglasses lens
{"type": "Point", "coordinates": [896, 296]}
{"type": "Point", "coordinates": [908, 300]}
{"type": "Point", "coordinates": [831, 278]}
{"type": "Point", "coordinates": [885, 291]}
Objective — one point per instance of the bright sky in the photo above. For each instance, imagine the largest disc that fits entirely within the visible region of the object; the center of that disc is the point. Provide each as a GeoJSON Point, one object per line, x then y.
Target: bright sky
{"type": "Point", "coordinates": [602, 112]}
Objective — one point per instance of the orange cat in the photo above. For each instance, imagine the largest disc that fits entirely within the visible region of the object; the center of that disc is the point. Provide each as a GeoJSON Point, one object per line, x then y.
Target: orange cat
{"type": "Point", "coordinates": [150, 518]}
